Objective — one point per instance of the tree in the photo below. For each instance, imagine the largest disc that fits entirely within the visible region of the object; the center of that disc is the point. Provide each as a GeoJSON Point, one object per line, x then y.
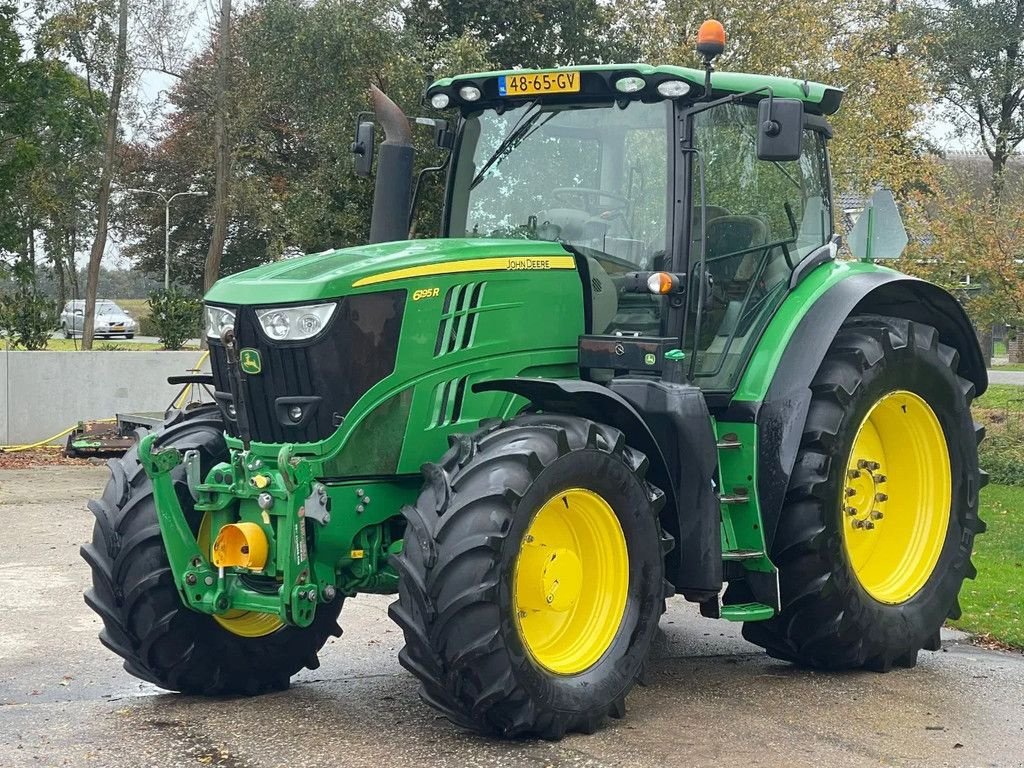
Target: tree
{"type": "Point", "coordinates": [94, 36]}
{"type": "Point", "coordinates": [222, 152]}
{"type": "Point", "coordinates": [49, 143]}
{"type": "Point", "coordinates": [530, 33]}
{"type": "Point", "coordinates": [976, 54]}
{"type": "Point", "coordinates": [110, 137]}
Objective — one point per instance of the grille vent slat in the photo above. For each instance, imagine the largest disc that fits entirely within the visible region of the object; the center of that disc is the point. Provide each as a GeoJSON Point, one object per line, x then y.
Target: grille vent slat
{"type": "Point", "coordinates": [448, 401]}
{"type": "Point", "coordinates": [462, 304]}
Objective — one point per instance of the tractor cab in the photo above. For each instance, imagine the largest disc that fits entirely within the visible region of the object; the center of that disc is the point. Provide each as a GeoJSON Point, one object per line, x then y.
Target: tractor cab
{"type": "Point", "coordinates": [719, 181]}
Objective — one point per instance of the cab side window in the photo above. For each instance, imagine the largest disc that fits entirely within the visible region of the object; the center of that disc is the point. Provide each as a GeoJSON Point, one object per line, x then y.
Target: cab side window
{"type": "Point", "coordinates": [760, 218]}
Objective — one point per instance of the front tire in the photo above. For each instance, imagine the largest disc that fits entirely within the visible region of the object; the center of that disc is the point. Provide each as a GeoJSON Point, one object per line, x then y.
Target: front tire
{"type": "Point", "coordinates": [144, 619]}
{"type": "Point", "coordinates": [875, 537]}
{"type": "Point", "coordinates": [531, 579]}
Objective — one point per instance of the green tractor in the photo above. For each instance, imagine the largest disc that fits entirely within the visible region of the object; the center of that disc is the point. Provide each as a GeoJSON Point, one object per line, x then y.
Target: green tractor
{"type": "Point", "coordinates": [631, 367]}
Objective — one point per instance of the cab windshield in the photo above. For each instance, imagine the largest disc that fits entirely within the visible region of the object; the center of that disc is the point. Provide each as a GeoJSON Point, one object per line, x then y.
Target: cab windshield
{"type": "Point", "coordinates": [594, 177]}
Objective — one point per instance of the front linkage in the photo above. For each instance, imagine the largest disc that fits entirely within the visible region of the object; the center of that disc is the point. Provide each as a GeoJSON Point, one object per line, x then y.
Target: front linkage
{"type": "Point", "coordinates": [260, 560]}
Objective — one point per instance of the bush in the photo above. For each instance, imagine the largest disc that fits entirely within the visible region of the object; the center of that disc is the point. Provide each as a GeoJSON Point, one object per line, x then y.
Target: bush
{"type": "Point", "coordinates": [174, 317]}
{"type": "Point", "coordinates": [1002, 451]}
{"type": "Point", "coordinates": [28, 318]}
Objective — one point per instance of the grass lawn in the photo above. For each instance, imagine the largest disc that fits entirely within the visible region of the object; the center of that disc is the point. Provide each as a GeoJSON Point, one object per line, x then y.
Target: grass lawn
{"type": "Point", "coordinates": [1008, 397]}
{"type": "Point", "coordinates": [100, 345]}
{"type": "Point", "coordinates": [999, 348]}
{"type": "Point", "coordinates": [1014, 367]}
{"type": "Point", "coordinates": [993, 603]}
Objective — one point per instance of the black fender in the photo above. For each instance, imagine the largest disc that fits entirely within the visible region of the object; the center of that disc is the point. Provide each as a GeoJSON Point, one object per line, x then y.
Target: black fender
{"type": "Point", "coordinates": [781, 415]}
{"type": "Point", "coordinates": [671, 425]}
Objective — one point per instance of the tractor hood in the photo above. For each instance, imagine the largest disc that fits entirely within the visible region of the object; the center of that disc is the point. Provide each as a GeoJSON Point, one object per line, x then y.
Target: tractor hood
{"type": "Point", "coordinates": [368, 267]}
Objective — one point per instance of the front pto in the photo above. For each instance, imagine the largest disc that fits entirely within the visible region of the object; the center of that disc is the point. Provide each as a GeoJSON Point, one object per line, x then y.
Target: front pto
{"type": "Point", "coordinates": [274, 546]}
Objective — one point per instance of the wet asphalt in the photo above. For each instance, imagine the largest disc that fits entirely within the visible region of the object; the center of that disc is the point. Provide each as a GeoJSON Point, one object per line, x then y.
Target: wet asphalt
{"type": "Point", "coordinates": [711, 698]}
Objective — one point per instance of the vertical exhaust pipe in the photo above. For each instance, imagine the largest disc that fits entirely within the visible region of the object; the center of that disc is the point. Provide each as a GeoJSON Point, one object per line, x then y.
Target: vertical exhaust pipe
{"type": "Point", "coordinates": [392, 193]}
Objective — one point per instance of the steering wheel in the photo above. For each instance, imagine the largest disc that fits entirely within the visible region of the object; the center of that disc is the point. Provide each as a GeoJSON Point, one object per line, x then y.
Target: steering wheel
{"type": "Point", "coordinates": [590, 200]}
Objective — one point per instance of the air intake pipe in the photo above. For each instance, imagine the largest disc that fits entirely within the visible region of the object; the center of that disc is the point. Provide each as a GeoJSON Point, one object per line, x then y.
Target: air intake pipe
{"type": "Point", "coordinates": [392, 194]}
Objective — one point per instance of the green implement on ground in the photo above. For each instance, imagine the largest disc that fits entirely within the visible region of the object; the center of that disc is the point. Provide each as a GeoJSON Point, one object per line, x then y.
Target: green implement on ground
{"type": "Point", "coordinates": [631, 367]}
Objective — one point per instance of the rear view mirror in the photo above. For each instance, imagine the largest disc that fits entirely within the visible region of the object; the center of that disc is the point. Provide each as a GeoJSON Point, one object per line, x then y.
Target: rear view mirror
{"type": "Point", "coordinates": [362, 147]}
{"type": "Point", "coordinates": [780, 129]}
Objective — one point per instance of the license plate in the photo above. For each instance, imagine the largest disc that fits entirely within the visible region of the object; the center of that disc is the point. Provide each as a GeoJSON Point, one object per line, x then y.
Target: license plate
{"type": "Point", "coordinates": [117, 327]}
{"type": "Point", "coordinates": [539, 82]}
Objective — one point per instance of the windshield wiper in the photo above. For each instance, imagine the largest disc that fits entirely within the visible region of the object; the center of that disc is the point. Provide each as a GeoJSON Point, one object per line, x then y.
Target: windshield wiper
{"type": "Point", "coordinates": [516, 135]}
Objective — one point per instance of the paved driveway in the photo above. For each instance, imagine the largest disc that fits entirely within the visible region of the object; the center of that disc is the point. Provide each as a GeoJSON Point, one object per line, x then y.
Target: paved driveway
{"type": "Point", "coordinates": [712, 699]}
{"type": "Point", "coordinates": [1006, 377]}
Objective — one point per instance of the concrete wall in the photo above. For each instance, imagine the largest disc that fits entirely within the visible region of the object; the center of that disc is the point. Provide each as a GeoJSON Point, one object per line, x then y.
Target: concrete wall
{"type": "Point", "coordinates": [42, 393]}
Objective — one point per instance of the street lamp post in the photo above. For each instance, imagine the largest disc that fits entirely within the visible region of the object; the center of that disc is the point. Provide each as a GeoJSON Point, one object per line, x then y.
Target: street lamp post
{"type": "Point", "coordinates": [167, 225]}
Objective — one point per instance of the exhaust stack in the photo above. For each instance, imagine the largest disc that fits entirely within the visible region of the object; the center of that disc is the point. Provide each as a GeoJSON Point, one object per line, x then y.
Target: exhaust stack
{"type": "Point", "coordinates": [392, 194]}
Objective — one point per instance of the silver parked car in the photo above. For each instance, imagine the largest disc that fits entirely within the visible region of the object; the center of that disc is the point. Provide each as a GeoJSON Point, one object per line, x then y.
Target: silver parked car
{"type": "Point", "coordinates": [110, 320]}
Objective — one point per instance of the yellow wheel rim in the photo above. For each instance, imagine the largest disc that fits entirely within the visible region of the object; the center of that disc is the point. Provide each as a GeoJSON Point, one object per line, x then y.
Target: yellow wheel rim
{"type": "Point", "coordinates": [571, 581]}
{"type": "Point", "coordinates": [241, 623]}
{"type": "Point", "coordinates": [896, 497]}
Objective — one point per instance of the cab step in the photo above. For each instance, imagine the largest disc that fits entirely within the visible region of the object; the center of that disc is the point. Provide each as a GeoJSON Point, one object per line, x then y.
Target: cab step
{"type": "Point", "coordinates": [742, 554]}
{"type": "Point", "coordinates": [747, 612]}
{"type": "Point", "coordinates": [740, 497]}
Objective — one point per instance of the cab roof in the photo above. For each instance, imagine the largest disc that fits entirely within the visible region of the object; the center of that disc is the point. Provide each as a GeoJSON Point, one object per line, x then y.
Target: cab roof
{"type": "Point", "coordinates": [598, 78]}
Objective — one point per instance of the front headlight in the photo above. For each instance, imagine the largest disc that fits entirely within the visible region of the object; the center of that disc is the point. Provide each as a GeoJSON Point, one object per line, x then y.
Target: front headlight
{"type": "Point", "coordinates": [218, 320]}
{"type": "Point", "coordinates": [294, 323]}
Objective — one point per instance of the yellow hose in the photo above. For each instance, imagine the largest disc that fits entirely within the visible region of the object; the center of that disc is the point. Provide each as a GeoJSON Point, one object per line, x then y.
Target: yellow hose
{"type": "Point", "coordinates": [41, 443]}
{"type": "Point", "coordinates": [176, 404]}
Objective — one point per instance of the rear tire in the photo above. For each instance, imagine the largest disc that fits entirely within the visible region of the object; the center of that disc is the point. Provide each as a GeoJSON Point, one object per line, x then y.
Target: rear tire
{"type": "Point", "coordinates": [460, 602]}
{"type": "Point", "coordinates": [144, 619]}
{"type": "Point", "coordinates": [833, 616]}
{"type": "Point", "coordinates": [67, 333]}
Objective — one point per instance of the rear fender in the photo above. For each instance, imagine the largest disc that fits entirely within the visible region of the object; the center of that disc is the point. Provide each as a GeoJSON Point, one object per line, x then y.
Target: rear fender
{"type": "Point", "coordinates": [781, 413]}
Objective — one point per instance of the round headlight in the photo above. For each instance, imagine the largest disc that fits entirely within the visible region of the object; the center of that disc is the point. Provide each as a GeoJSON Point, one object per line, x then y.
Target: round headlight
{"type": "Point", "coordinates": [439, 100]}
{"type": "Point", "coordinates": [309, 325]}
{"type": "Point", "coordinates": [673, 89]}
{"type": "Point", "coordinates": [277, 325]}
{"type": "Point", "coordinates": [469, 93]}
{"type": "Point", "coordinates": [630, 84]}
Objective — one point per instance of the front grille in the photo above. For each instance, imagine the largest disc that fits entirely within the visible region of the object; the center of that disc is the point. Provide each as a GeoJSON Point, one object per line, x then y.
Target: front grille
{"type": "Point", "coordinates": [355, 351]}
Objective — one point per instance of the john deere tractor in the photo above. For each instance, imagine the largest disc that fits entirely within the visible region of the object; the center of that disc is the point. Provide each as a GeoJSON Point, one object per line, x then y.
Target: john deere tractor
{"type": "Point", "coordinates": [631, 367]}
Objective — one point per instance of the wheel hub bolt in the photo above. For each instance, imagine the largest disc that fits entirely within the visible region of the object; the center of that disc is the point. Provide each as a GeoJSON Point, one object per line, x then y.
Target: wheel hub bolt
{"type": "Point", "coordinates": [881, 497]}
{"type": "Point", "coordinates": [876, 515]}
{"type": "Point", "coordinates": [851, 492]}
{"type": "Point", "coordinates": [868, 524]}
{"type": "Point", "coordinates": [851, 511]}
{"type": "Point", "coordinates": [853, 474]}
{"type": "Point", "coordinates": [879, 478]}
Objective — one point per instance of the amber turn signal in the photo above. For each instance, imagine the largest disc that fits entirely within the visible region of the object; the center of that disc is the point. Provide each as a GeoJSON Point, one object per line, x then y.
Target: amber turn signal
{"type": "Point", "coordinates": [710, 39]}
{"type": "Point", "coordinates": [662, 282]}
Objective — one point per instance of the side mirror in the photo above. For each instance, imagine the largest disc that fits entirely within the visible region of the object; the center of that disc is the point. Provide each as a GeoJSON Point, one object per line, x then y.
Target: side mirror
{"type": "Point", "coordinates": [780, 129]}
{"type": "Point", "coordinates": [362, 147]}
